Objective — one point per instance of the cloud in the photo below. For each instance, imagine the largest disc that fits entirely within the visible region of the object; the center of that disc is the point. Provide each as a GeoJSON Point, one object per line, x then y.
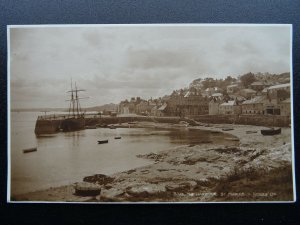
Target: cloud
{"type": "Point", "coordinates": [117, 62]}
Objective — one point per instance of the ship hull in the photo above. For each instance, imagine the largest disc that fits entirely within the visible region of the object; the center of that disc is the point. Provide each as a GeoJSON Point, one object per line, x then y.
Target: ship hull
{"type": "Point", "coordinates": [73, 124]}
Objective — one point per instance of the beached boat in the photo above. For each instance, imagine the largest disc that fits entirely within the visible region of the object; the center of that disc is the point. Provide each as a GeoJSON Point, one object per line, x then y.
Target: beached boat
{"type": "Point", "coordinates": [87, 189]}
{"type": "Point", "coordinates": [227, 129]}
{"type": "Point", "coordinates": [251, 131]}
{"type": "Point", "coordinates": [271, 131]}
{"type": "Point", "coordinates": [118, 137]}
{"type": "Point", "coordinates": [103, 142]}
{"type": "Point", "coordinates": [29, 150]}
{"type": "Point", "coordinates": [232, 139]}
{"type": "Point", "coordinates": [215, 131]}
{"type": "Point", "coordinates": [91, 127]}
{"type": "Point", "coordinates": [111, 126]}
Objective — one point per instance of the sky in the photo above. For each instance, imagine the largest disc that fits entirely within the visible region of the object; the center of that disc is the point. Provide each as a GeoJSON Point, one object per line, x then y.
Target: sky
{"type": "Point", "coordinates": [117, 62]}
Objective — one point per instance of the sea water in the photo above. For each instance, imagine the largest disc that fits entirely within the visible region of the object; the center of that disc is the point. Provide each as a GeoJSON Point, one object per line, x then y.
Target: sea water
{"type": "Point", "coordinates": [65, 158]}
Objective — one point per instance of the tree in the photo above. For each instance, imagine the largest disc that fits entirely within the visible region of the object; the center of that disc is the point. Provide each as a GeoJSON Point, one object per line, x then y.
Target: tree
{"type": "Point", "coordinates": [208, 83]}
{"type": "Point", "coordinates": [247, 79]}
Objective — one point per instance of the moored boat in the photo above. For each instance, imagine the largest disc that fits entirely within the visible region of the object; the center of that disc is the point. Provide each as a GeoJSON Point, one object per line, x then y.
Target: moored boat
{"type": "Point", "coordinates": [73, 124]}
{"type": "Point", "coordinates": [30, 150]}
{"type": "Point", "coordinates": [271, 131]}
{"type": "Point", "coordinates": [75, 120]}
{"type": "Point", "coordinates": [103, 142]}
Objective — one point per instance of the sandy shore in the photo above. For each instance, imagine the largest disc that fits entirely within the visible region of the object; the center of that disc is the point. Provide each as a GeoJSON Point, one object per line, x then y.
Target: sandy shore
{"type": "Point", "coordinates": [189, 173]}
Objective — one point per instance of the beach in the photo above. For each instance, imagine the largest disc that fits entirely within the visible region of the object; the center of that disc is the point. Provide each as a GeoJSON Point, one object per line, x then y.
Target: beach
{"type": "Point", "coordinates": [253, 168]}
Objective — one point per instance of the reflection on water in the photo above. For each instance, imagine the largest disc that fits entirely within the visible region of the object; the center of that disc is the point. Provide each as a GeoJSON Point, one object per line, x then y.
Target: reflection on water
{"type": "Point", "coordinates": [65, 158]}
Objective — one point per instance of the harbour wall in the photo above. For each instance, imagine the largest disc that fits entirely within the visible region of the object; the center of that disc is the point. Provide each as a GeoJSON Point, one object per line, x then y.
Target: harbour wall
{"type": "Point", "coordinates": [116, 120]}
{"type": "Point", "coordinates": [257, 120]}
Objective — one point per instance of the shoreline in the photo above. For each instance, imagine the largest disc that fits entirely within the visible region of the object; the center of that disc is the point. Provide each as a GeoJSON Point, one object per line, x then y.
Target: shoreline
{"type": "Point", "coordinates": [189, 173]}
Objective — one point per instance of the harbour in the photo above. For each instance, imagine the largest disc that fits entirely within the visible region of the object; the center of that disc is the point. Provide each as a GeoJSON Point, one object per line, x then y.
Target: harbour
{"type": "Point", "coordinates": [77, 154]}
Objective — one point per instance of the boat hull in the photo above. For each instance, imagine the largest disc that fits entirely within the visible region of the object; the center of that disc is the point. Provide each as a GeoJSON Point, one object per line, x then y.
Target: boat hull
{"type": "Point", "coordinates": [73, 124]}
{"type": "Point", "coordinates": [271, 131]}
{"type": "Point", "coordinates": [29, 150]}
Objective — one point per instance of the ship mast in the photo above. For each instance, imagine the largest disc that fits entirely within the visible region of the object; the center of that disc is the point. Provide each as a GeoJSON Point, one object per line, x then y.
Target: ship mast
{"type": "Point", "coordinates": [74, 101]}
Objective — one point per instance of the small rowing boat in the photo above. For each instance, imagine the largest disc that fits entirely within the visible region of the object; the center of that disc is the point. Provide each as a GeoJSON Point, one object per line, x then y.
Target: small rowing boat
{"type": "Point", "coordinates": [87, 189]}
{"type": "Point", "coordinates": [251, 131]}
{"type": "Point", "coordinates": [103, 142]}
{"type": "Point", "coordinates": [227, 129]}
{"type": "Point", "coordinates": [29, 150]}
{"type": "Point", "coordinates": [118, 137]}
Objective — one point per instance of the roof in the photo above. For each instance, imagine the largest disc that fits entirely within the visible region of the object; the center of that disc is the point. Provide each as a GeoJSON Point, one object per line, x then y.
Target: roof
{"type": "Point", "coordinates": [163, 107]}
{"type": "Point", "coordinates": [187, 94]}
{"type": "Point", "coordinates": [249, 90]}
{"type": "Point", "coordinates": [256, 100]}
{"type": "Point", "coordinates": [217, 95]}
{"type": "Point", "coordinates": [232, 85]}
{"type": "Point", "coordinates": [228, 103]}
{"type": "Point", "coordinates": [257, 83]}
{"type": "Point", "coordinates": [237, 97]}
{"type": "Point", "coordinates": [288, 100]}
{"type": "Point", "coordinates": [279, 86]}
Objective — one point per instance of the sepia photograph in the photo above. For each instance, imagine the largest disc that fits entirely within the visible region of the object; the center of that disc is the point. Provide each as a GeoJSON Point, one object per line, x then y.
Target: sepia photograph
{"type": "Point", "coordinates": [150, 113]}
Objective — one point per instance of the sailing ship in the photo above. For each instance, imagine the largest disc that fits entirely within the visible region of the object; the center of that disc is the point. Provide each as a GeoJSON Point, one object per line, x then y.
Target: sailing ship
{"type": "Point", "coordinates": [75, 120]}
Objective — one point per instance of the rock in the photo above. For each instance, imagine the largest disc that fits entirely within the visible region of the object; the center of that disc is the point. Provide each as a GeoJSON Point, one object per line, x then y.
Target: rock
{"type": "Point", "coordinates": [99, 179]}
{"type": "Point", "coordinates": [181, 187]}
{"type": "Point", "coordinates": [112, 195]}
{"type": "Point", "coordinates": [146, 190]}
{"type": "Point", "coordinates": [191, 160]}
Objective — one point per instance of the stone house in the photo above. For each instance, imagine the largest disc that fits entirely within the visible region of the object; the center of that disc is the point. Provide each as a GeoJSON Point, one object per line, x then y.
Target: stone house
{"type": "Point", "coordinates": [254, 106]}
{"type": "Point", "coordinates": [285, 107]}
{"type": "Point", "coordinates": [186, 104]}
{"type": "Point", "coordinates": [247, 93]}
{"type": "Point", "coordinates": [259, 85]}
{"type": "Point", "coordinates": [213, 106]}
{"type": "Point", "coordinates": [227, 107]}
{"type": "Point", "coordinates": [232, 88]}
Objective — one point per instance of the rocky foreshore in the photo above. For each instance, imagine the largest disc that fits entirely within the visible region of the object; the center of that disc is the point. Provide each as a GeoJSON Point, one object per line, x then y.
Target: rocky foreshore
{"type": "Point", "coordinates": [257, 168]}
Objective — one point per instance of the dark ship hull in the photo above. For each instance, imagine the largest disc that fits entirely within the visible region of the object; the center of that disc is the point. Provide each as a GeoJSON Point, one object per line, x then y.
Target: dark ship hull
{"type": "Point", "coordinates": [72, 124]}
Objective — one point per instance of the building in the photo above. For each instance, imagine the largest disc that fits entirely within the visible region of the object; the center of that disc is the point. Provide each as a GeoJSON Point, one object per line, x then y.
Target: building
{"type": "Point", "coordinates": [213, 106]}
{"type": "Point", "coordinates": [161, 111]}
{"type": "Point", "coordinates": [255, 105]}
{"type": "Point", "coordinates": [285, 107]}
{"type": "Point", "coordinates": [279, 92]}
{"type": "Point", "coordinates": [232, 88]}
{"type": "Point", "coordinates": [189, 103]}
{"type": "Point", "coordinates": [227, 107]}
{"type": "Point", "coordinates": [259, 85]}
{"type": "Point", "coordinates": [247, 93]}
